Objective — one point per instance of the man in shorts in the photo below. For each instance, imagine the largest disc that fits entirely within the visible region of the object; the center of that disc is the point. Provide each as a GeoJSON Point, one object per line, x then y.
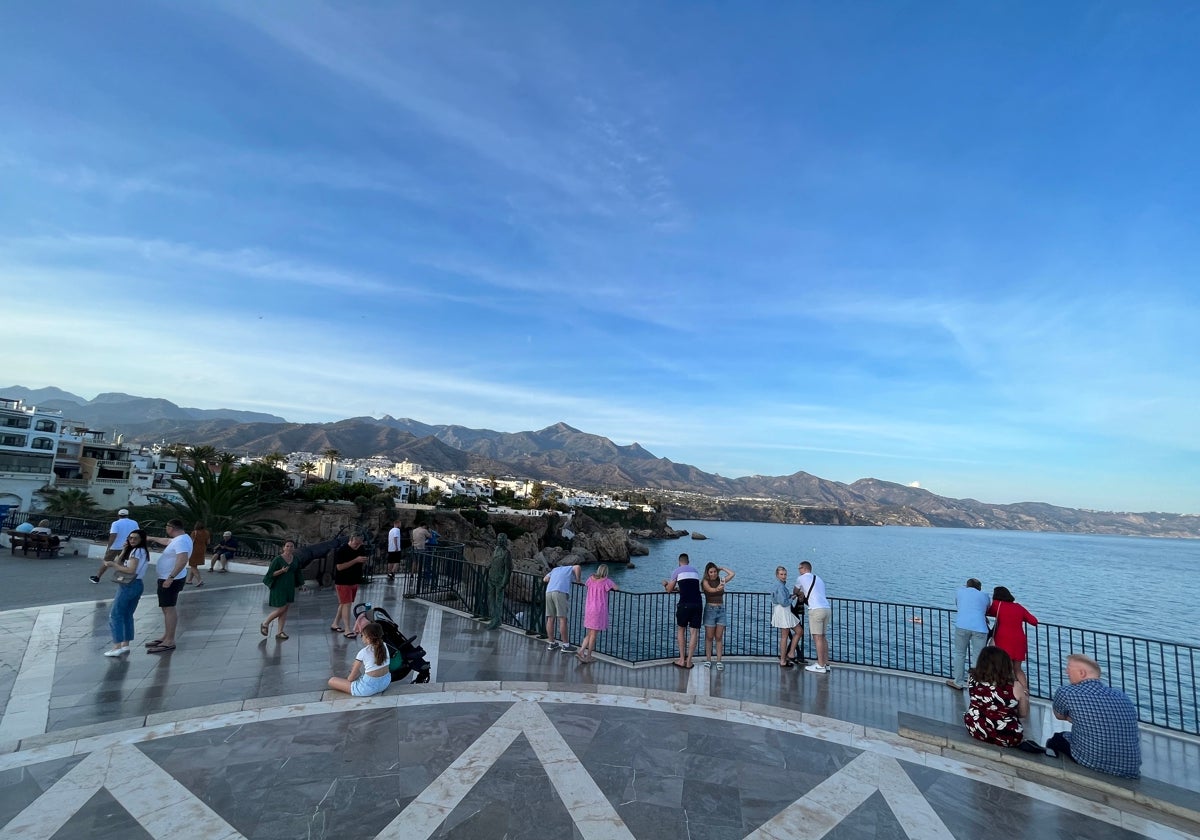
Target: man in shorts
{"type": "Point", "coordinates": [348, 563]}
{"type": "Point", "coordinates": [394, 550]}
{"type": "Point", "coordinates": [172, 569]}
{"type": "Point", "coordinates": [690, 610]}
{"type": "Point", "coordinates": [558, 596]}
{"type": "Point", "coordinates": [120, 529]}
{"type": "Point", "coordinates": [812, 589]}
{"type": "Point", "coordinates": [225, 551]}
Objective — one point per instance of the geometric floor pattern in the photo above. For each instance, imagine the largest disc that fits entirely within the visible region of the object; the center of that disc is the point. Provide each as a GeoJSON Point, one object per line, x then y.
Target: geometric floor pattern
{"type": "Point", "coordinates": [524, 764]}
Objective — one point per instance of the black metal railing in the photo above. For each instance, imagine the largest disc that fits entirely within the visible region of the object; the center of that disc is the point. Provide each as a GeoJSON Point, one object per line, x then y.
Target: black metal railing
{"type": "Point", "coordinates": [1159, 676]}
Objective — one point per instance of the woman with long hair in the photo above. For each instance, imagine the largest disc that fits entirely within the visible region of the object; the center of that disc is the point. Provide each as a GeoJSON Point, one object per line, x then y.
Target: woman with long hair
{"type": "Point", "coordinates": [370, 673]}
{"type": "Point", "coordinates": [782, 618]}
{"type": "Point", "coordinates": [712, 584]}
{"type": "Point", "coordinates": [997, 700]}
{"type": "Point", "coordinates": [200, 540]}
{"type": "Point", "coordinates": [283, 576]}
{"type": "Point", "coordinates": [1011, 619]}
{"type": "Point", "coordinates": [133, 560]}
{"type": "Point", "coordinates": [595, 610]}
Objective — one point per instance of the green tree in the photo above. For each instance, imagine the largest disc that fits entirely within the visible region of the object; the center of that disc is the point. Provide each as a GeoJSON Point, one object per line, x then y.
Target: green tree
{"type": "Point", "coordinates": [205, 455]}
{"type": "Point", "coordinates": [536, 492]}
{"type": "Point", "coordinates": [226, 460]}
{"type": "Point", "coordinates": [307, 468]}
{"type": "Point", "coordinates": [71, 501]}
{"type": "Point", "coordinates": [222, 501]}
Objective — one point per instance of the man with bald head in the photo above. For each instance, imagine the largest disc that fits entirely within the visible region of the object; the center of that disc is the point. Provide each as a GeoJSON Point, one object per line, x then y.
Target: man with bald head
{"type": "Point", "coordinates": [1104, 722]}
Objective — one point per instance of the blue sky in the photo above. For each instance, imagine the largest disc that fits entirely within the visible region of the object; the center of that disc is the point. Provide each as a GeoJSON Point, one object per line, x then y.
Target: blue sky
{"type": "Point", "coordinates": [953, 244]}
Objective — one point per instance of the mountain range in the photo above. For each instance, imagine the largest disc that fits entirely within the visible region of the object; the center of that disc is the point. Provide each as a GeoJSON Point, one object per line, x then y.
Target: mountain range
{"type": "Point", "coordinates": [575, 458]}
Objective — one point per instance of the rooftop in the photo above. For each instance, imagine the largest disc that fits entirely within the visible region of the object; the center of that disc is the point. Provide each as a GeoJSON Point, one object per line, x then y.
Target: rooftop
{"type": "Point", "coordinates": [233, 735]}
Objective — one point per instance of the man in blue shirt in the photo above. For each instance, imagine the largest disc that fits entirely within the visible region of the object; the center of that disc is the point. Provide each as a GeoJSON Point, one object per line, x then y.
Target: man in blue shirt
{"type": "Point", "coordinates": [1104, 722]}
{"type": "Point", "coordinates": [970, 629]}
{"type": "Point", "coordinates": [686, 580]}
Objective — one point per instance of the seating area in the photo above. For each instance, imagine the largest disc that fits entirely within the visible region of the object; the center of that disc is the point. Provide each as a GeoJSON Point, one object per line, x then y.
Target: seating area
{"type": "Point", "coordinates": [43, 545]}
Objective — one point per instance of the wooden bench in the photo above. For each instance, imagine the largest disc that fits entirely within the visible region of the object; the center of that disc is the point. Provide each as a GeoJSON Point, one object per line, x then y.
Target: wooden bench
{"type": "Point", "coordinates": [40, 544]}
{"type": "Point", "coordinates": [1158, 797]}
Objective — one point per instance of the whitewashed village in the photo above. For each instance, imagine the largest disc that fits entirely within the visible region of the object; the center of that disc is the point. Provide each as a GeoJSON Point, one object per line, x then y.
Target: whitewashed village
{"type": "Point", "coordinates": [42, 451]}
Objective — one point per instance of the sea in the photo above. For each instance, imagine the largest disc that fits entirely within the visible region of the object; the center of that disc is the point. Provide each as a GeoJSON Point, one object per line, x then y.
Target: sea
{"type": "Point", "coordinates": [1136, 586]}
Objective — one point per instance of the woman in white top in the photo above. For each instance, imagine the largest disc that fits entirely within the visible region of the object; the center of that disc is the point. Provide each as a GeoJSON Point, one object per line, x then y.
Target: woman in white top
{"type": "Point", "coordinates": [371, 672]}
{"type": "Point", "coordinates": [132, 560]}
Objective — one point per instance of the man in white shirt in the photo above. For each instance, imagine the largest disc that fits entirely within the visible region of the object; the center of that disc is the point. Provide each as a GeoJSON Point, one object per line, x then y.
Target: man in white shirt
{"type": "Point", "coordinates": [812, 589]}
{"type": "Point", "coordinates": [394, 549]}
{"type": "Point", "coordinates": [118, 532]}
{"type": "Point", "coordinates": [172, 569]}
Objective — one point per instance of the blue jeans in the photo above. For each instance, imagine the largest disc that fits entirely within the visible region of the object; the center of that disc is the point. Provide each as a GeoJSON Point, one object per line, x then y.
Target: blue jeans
{"type": "Point", "coordinates": [966, 643]}
{"type": "Point", "coordinates": [120, 617]}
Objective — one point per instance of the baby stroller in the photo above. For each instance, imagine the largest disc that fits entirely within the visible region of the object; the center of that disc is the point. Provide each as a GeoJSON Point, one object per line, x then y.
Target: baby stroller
{"type": "Point", "coordinates": [406, 655]}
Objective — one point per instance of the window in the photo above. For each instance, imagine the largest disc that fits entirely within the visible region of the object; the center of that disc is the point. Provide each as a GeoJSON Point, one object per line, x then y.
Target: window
{"type": "Point", "coordinates": [43, 443]}
{"type": "Point", "coordinates": [16, 422]}
{"type": "Point", "coordinates": [12, 440]}
{"type": "Point", "coordinates": [45, 426]}
{"type": "Point", "coordinates": [107, 491]}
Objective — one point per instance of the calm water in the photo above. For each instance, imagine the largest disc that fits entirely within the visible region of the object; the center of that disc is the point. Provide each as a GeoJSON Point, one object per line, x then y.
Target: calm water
{"type": "Point", "coordinates": [1130, 585]}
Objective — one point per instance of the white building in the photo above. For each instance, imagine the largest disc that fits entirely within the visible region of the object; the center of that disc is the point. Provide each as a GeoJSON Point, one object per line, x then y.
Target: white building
{"type": "Point", "coordinates": [29, 440]}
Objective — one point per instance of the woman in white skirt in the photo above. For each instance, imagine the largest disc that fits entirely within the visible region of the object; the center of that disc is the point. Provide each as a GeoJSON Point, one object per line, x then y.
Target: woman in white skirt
{"type": "Point", "coordinates": [781, 613]}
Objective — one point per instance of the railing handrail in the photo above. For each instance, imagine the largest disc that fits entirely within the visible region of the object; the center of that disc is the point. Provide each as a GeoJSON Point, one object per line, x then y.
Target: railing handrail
{"type": "Point", "coordinates": [1159, 676]}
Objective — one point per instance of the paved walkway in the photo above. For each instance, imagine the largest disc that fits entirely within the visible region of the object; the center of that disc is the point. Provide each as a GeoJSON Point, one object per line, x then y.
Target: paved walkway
{"type": "Point", "coordinates": [233, 736]}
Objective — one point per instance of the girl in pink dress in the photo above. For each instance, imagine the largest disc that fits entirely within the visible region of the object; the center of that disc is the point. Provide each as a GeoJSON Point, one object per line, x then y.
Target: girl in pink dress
{"type": "Point", "coordinates": [595, 610]}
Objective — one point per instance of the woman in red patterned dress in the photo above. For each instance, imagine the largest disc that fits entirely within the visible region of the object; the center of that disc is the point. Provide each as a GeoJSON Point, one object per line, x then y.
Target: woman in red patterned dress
{"type": "Point", "coordinates": [997, 700]}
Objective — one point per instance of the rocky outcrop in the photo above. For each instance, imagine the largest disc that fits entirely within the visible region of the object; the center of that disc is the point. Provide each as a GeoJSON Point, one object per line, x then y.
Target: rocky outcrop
{"type": "Point", "coordinates": [696, 535]}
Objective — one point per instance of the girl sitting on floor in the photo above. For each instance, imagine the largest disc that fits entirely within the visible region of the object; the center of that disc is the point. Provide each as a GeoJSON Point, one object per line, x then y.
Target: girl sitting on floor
{"type": "Point", "coordinates": [370, 673]}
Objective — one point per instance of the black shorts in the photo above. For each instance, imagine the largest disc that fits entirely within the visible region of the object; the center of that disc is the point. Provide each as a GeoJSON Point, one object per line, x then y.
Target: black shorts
{"type": "Point", "coordinates": [169, 595]}
{"type": "Point", "coordinates": [689, 615]}
{"type": "Point", "coordinates": [394, 557]}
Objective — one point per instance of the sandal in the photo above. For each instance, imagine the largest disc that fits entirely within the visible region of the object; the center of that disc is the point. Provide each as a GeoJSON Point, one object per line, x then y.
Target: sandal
{"type": "Point", "coordinates": [337, 629]}
{"type": "Point", "coordinates": [281, 636]}
{"type": "Point", "coordinates": [262, 628]}
{"type": "Point", "coordinates": [161, 649]}
{"type": "Point", "coordinates": [351, 635]}
{"type": "Point", "coordinates": [154, 643]}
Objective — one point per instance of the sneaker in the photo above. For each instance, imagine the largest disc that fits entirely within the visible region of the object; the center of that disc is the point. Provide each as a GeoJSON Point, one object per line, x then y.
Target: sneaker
{"type": "Point", "coordinates": [720, 666]}
{"type": "Point", "coordinates": [707, 664]}
{"type": "Point", "coordinates": [116, 652]}
{"type": "Point", "coordinates": [94, 578]}
{"type": "Point", "coordinates": [552, 646]}
{"type": "Point", "coordinates": [566, 648]}
{"type": "Point", "coordinates": [817, 669]}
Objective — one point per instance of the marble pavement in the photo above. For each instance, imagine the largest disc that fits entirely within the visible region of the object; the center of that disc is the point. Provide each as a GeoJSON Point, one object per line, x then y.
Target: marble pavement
{"type": "Point", "coordinates": [233, 736]}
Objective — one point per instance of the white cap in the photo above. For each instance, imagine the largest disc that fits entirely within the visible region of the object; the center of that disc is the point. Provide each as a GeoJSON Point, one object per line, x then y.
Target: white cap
{"type": "Point", "coordinates": [122, 512]}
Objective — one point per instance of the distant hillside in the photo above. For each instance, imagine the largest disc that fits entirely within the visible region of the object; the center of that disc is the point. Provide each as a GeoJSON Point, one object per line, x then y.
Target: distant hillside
{"type": "Point", "coordinates": [115, 410]}
{"type": "Point", "coordinates": [569, 456]}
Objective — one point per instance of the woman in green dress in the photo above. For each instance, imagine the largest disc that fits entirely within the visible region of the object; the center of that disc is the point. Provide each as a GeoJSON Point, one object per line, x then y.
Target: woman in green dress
{"type": "Point", "coordinates": [283, 576]}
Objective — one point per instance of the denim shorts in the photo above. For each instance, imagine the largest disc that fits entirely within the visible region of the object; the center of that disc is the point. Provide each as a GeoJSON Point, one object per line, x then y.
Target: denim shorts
{"type": "Point", "coordinates": [714, 615]}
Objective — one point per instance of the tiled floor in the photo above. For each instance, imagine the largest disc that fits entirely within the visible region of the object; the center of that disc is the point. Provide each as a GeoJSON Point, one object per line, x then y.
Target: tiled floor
{"type": "Point", "coordinates": [232, 736]}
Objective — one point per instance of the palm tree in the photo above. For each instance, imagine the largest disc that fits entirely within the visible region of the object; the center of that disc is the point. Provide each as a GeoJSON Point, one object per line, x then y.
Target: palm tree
{"type": "Point", "coordinates": [69, 502]}
{"type": "Point", "coordinates": [226, 460]}
{"type": "Point", "coordinates": [331, 455]}
{"type": "Point", "coordinates": [274, 459]}
{"type": "Point", "coordinates": [223, 501]}
{"type": "Point", "coordinates": [307, 468]}
{"type": "Point", "coordinates": [202, 455]}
